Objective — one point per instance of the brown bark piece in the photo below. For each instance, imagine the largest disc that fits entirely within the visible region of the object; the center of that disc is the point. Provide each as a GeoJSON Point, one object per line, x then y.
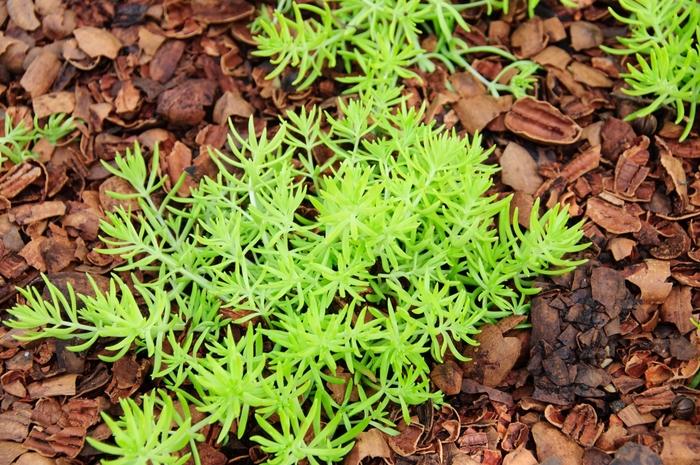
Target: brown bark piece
{"type": "Point", "coordinates": [616, 135]}
{"type": "Point", "coordinates": [529, 38]}
{"type": "Point", "coordinates": [582, 164]}
{"type": "Point", "coordinates": [635, 454]}
{"type": "Point", "coordinates": [630, 170]}
{"type": "Point", "coordinates": [184, 105]}
{"type": "Point", "coordinates": [447, 377]}
{"type": "Point", "coordinates": [589, 75]}
{"type": "Point", "coordinates": [493, 358]}
{"type": "Point", "coordinates": [9, 451]}
{"type": "Point", "coordinates": [31, 213]}
{"type": "Point", "coordinates": [62, 385]}
{"type": "Point", "coordinates": [621, 247]}
{"type": "Point", "coordinates": [164, 62]}
{"type": "Point", "coordinates": [55, 102]}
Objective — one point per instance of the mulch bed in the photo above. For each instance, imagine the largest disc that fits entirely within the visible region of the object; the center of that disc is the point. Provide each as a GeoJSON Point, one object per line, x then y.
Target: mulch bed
{"type": "Point", "coordinates": [601, 377]}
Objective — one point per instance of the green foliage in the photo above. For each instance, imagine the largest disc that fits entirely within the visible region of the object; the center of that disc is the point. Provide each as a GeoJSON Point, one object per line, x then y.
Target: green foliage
{"type": "Point", "coordinates": [664, 37]}
{"type": "Point", "coordinates": [380, 38]}
{"type": "Point", "coordinates": [153, 433]}
{"type": "Point", "coordinates": [345, 278]}
{"type": "Point", "coordinates": [17, 141]}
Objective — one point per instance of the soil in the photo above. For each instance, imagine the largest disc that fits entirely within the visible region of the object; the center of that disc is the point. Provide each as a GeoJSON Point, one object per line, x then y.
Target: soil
{"type": "Point", "coordinates": [604, 372]}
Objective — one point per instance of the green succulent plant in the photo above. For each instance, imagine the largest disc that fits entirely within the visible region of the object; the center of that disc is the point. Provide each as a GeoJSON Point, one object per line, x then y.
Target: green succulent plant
{"type": "Point", "coordinates": [18, 140]}
{"type": "Point", "coordinates": [345, 275]}
{"type": "Point", "coordinates": [664, 38]}
{"type": "Point", "coordinates": [378, 42]}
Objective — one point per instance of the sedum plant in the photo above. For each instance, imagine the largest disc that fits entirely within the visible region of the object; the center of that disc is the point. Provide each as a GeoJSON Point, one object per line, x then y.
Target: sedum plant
{"type": "Point", "coordinates": [298, 299]}
{"type": "Point", "coordinates": [664, 37]}
{"type": "Point", "coordinates": [381, 40]}
{"type": "Point", "coordinates": [17, 141]}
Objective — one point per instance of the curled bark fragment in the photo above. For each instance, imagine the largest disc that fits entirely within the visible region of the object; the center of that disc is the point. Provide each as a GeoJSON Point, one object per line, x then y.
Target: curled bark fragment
{"type": "Point", "coordinates": [612, 218]}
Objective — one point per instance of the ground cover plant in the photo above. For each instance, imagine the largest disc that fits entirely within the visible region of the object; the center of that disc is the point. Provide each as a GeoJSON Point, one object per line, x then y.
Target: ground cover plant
{"type": "Point", "coordinates": [345, 277]}
{"type": "Point", "coordinates": [269, 298]}
{"type": "Point", "coordinates": [664, 38]}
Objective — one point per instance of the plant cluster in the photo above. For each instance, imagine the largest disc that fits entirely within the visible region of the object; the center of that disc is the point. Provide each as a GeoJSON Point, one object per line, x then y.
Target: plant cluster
{"type": "Point", "coordinates": [664, 37]}
{"type": "Point", "coordinates": [379, 42]}
{"type": "Point", "coordinates": [17, 142]}
{"type": "Point", "coordinates": [296, 297]}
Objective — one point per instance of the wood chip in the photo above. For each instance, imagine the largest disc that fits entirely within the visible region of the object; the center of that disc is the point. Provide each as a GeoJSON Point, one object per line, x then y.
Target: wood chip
{"type": "Point", "coordinates": [165, 60]}
{"type": "Point", "coordinates": [447, 377]}
{"type": "Point", "coordinates": [582, 164]}
{"type": "Point", "coordinates": [97, 42]}
{"type": "Point", "coordinates": [31, 213]}
{"type": "Point", "coordinates": [636, 454]}
{"type": "Point", "coordinates": [9, 451]}
{"type": "Point", "coordinates": [631, 169]}
{"type": "Point", "coordinates": [63, 385]}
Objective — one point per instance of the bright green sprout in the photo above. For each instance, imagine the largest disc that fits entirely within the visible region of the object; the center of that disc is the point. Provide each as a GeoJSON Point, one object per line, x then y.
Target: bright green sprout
{"type": "Point", "coordinates": [343, 277]}
{"type": "Point", "coordinates": [664, 37]}
{"type": "Point", "coordinates": [17, 142]}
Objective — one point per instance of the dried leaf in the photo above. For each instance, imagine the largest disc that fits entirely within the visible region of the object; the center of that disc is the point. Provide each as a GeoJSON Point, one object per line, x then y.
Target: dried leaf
{"type": "Point", "coordinates": [651, 280]}
{"type": "Point", "coordinates": [678, 309]}
{"type": "Point", "coordinates": [41, 74]}
{"type": "Point", "coordinates": [55, 102]}
{"type": "Point", "coordinates": [635, 454]}
{"type": "Point", "coordinates": [97, 42]}
{"type": "Point", "coordinates": [231, 104]}
{"type": "Point", "coordinates": [585, 35]}
{"type": "Point", "coordinates": [447, 377]}
{"type": "Point", "coordinates": [476, 112]}
{"type": "Point", "coordinates": [519, 169]}
{"type": "Point", "coordinates": [552, 443]}
{"type": "Point", "coordinates": [370, 443]}
{"type": "Point", "coordinates": [493, 358]}
{"type": "Point", "coordinates": [681, 444]}
{"type": "Point", "coordinates": [611, 218]}
{"type": "Point", "coordinates": [22, 14]}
